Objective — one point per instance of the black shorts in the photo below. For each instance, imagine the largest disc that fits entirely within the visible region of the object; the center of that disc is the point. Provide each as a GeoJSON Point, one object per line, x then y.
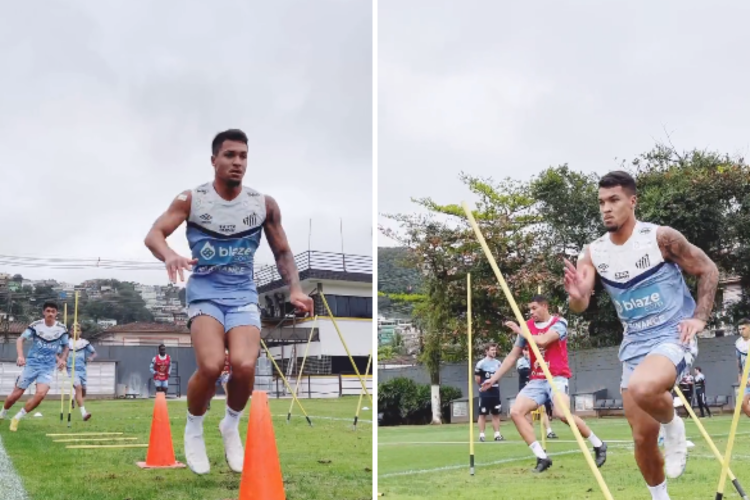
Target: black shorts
{"type": "Point", "coordinates": [490, 404]}
{"type": "Point", "coordinates": [548, 407]}
{"type": "Point", "coordinates": [523, 378]}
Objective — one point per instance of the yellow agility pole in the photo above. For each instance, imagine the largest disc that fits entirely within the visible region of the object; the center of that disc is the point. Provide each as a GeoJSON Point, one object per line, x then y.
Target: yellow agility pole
{"type": "Point", "coordinates": [281, 374]}
{"type": "Point", "coordinates": [542, 412]}
{"type": "Point", "coordinates": [343, 342]}
{"type": "Point", "coordinates": [471, 374]}
{"type": "Point", "coordinates": [732, 431]}
{"type": "Point", "coordinates": [532, 343]}
{"type": "Point", "coordinates": [62, 384]}
{"type": "Point", "coordinates": [359, 404]}
{"type": "Point", "coordinates": [73, 367]}
{"type": "Point", "coordinates": [710, 442]}
{"type": "Point", "coordinates": [299, 375]}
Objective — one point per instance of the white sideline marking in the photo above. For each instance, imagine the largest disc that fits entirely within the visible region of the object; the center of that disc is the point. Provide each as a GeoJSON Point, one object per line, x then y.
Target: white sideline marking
{"type": "Point", "coordinates": [314, 417]}
{"type": "Point", "coordinates": [507, 441]}
{"type": "Point", "coordinates": [528, 457]}
{"type": "Point", "coordinates": [10, 483]}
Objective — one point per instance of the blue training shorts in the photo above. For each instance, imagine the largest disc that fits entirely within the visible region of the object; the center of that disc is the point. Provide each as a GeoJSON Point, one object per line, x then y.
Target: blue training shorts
{"type": "Point", "coordinates": [540, 391]}
{"type": "Point", "coordinates": [161, 383]}
{"type": "Point", "coordinates": [680, 355]}
{"type": "Point", "coordinates": [80, 377]}
{"type": "Point", "coordinates": [31, 373]}
{"type": "Point", "coordinates": [229, 316]}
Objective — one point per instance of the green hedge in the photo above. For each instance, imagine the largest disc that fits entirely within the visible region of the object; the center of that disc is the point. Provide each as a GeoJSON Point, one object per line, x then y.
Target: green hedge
{"type": "Point", "coordinates": [401, 401]}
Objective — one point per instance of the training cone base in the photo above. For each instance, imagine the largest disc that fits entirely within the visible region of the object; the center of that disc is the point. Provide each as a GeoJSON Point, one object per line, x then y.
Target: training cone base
{"type": "Point", "coordinates": [261, 471]}
{"type": "Point", "coordinates": [160, 453]}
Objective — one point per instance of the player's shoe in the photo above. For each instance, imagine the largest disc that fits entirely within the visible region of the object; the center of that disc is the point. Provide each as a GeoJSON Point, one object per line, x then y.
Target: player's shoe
{"type": "Point", "coordinates": [499, 437]}
{"type": "Point", "coordinates": [600, 454]}
{"type": "Point", "coordinates": [86, 417]}
{"type": "Point", "coordinates": [233, 452]}
{"type": "Point", "coordinates": [542, 464]}
{"type": "Point", "coordinates": [195, 454]}
{"type": "Point", "coordinates": [481, 438]}
{"type": "Point", "coordinates": [14, 424]}
{"type": "Point", "coordinates": [675, 450]}
{"type": "Point", "coordinates": [551, 435]}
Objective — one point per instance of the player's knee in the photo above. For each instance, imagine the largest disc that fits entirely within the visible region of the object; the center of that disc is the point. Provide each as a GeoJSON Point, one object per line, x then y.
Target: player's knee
{"type": "Point", "coordinates": [644, 438]}
{"type": "Point", "coordinates": [41, 391]}
{"type": "Point", "coordinates": [211, 369]}
{"type": "Point", "coordinates": [642, 391]}
{"type": "Point", "coordinates": [244, 369]}
{"type": "Point", "coordinates": [517, 412]}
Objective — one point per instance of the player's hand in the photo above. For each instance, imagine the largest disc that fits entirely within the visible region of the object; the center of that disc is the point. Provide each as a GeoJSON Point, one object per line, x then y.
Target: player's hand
{"type": "Point", "coordinates": [61, 364]}
{"type": "Point", "coordinates": [21, 361]}
{"type": "Point", "coordinates": [689, 328]}
{"type": "Point", "coordinates": [301, 302]}
{"type": "Point", "coordinates": [485, 385]}
{"type": "Point", "coordinates": [574, 279]}
{"type": "Point", "coordinates": [175, 265]}
{"type": "Point", "coordinates": [514, 326]}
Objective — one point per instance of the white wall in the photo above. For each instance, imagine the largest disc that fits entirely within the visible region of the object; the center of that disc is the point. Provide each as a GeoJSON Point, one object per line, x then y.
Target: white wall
{"type": "Point", "coordinates": [346, 288]}
{"type": "Point", "coordinates": [357, 333]}
{"type": "Point", "coordinates": [100, 379]}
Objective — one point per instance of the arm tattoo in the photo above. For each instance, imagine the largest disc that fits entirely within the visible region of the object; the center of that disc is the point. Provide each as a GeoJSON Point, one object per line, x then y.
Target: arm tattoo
{"type": "Point", "coordinates": [693, 260]}
{"type": "Point", "coordinates": [287, 268]}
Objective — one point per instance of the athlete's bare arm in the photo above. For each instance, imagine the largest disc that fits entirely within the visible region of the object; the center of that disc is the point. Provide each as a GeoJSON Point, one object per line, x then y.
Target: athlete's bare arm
{"type": "Point", "coordinates": [579, 281]}
{"type": "Point", "coordinates": [676, 248]}
{"type": "Point", "coordinates": [280, 246]}
{"type": "Point", "coordinates": [156, 239]}
{"type": "Point", "coordinates": [508, 363]}
{"type": "Point", "coordinates": [166, 224]}
{"type": "Point", "coordinates": [542, 340]}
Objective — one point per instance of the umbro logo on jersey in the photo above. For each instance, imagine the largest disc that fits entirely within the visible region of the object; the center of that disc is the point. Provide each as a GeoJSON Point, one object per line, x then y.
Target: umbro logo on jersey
{"type": "Point", "coordinates": [645, 230]}
{"type": "Point", "coordinates": [206, 218]}
{"type": "Point", "coordinates": [202, 190]}
{"type": "Point", "coordinates": [250, 220]}
{"type": "Point", "coordinates": [643, 262]}
{"type": "Point", "coordinates": [603, 268]}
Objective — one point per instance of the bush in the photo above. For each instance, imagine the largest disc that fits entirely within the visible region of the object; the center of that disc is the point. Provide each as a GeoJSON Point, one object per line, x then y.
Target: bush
{"type": "Point", "coordinates": [401, 401]}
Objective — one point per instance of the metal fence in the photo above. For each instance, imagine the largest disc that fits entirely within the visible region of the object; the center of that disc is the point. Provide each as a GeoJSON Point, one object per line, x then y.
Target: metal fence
{"type": "Point", "coordinates": [318, 261]}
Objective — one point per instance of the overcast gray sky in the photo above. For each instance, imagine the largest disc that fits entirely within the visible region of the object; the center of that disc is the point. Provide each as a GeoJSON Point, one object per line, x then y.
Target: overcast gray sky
{"type": "Point", "coordinates": [507, 89]}
{"type": "Point", "coordinates": [108, 109]}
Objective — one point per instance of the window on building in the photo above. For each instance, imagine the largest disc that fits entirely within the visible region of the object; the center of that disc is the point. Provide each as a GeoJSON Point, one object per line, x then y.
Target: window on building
{"type": "Point", "coordinates": [347, 306]}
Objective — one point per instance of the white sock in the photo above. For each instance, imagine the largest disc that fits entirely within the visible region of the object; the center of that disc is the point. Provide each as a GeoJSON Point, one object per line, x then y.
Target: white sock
{"type": "Point", "coordinates": [231, 418]}
{"type": "Point", "coordinates": [83, 410]}
{"type": "Point", "coordinates": [537, 449]}
{"type": "Point", "coordinates": [549, 430]}
{"type": "Point", "coordinates": [595, 441]}
{"type": "Point", "coordinates": [20, 414]}
{"type": "Point", "coordinates": [3, 412]}
{"type": "Point", "coordinates": [194, 426]}
{"type": "Point", "coordinates": [659, 492]}
{"type": "Point", "coordinates": [671, 427]}
{"type": "Point", "coordinates": [481, 434]}
{"type": "Point", "coordinates": [497, 433]}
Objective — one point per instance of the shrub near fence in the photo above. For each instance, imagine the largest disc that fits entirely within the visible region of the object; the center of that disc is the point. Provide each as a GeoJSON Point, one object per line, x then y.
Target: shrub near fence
{"type": "Point", "coordinates": [401, 401]}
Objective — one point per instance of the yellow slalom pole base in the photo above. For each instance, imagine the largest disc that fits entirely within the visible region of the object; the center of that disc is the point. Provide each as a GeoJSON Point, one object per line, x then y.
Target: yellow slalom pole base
{"type": "Point", "coordinates": [710, 442]}
{"type": "Point", "coordinates": [302, 368]}
{"type": "Point", "coordinates": [532, 343]}
{"type": "Point", "coordinates": [733, 431]}
{"type": "Point", "coordinates": [281, 374]}
{"type": "Point", "coordinates": [346, 348]}
{"type": "Point", "coordinates": [361, 394]}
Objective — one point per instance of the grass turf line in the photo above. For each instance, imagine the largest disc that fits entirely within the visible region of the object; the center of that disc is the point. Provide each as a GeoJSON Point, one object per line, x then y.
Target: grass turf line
{"type": "Point", "coordinates": [325, 461]}
{"type": "Point", "coordinates": [503, 470]}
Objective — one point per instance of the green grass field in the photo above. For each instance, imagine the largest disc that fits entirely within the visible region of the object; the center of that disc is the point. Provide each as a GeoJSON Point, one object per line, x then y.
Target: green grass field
{"type": "Point", "coordinates": [433, 462]}
{"type": "Point", "coordinates": [326, 461]}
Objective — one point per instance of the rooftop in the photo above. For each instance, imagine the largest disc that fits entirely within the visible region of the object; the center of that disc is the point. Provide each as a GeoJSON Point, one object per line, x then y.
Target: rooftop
{"type": "Point", "coordinates": [319, 265]}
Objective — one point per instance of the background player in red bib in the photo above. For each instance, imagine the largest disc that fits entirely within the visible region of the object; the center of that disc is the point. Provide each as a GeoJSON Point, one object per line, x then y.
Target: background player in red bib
{"type": "Point", "coordinates": [161, 369]}
{"type": "Point", "coordinates": [550, 333]}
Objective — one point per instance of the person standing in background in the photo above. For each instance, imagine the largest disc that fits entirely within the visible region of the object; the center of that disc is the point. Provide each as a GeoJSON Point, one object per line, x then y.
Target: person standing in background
{"type": "Point", "coordinates": [699, 381]}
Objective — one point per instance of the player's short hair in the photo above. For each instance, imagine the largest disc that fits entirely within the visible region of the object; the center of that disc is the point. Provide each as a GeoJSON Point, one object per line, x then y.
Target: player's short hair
{"type": "Point", "coordinates": [490, 345]}
{"type": "Point", "coordinates": [233, 134]}
{"type": "Point", "coordinates": [51, 304]}
{"type": "Point", "coordinates": [699, 369]}
{"type": "Point", "coordinates": [744, 321]}
{"type": "Point", "coordinates": [162, 345]}
{"type": "Point", "coordinates": [539, 299]}
{"type": "Point", "coordinates": [619, 178]}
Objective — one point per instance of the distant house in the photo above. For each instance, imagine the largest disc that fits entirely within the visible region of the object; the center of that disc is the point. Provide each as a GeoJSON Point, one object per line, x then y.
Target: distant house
{"type": "Point", "coordinates": [139, 333]}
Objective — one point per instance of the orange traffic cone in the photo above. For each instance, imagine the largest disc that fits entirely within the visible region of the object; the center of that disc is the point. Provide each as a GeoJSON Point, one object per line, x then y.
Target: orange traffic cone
{"type": "Point", "coordinates": [160, 450]}
{"type": "Point", "coordinates": [261, 471]}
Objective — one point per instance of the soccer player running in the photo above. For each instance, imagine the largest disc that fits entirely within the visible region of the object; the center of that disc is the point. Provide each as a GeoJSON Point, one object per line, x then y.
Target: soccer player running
{"type": "Point", "coordinates": [47, 336]}
{"type": "Point", "coordinates": [225, 222]}
{"type": "Point", "coordinates": [700, 391]}
{"type": "Point", "coordinates": [489, 400]}
{"type": "Point", "coordinates": [83, 352]}
{"type": "Point", "coordinates": [523, 367]}
{"type": "Point", "coordinates": [640, 265]}
{"type": "Point", "coordinates": [741, 346]}
{"type": "Point", "coordinates": [550, 334]}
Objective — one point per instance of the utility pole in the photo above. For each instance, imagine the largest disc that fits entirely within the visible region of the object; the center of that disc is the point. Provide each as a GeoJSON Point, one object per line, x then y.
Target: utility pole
{"type": "Point", "coordinates": [7, 315]}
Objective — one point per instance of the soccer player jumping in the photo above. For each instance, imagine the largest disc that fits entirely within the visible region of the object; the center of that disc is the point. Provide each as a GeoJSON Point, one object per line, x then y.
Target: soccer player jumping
{"type": "Point", "coordinates": [640, 265]}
